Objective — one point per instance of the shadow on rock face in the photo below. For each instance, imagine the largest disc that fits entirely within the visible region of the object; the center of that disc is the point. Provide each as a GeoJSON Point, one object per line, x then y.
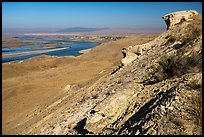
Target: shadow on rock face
{"type": "Point", "coordinates": [80, 127]}
{"type": "Point", "coordinates": [135, 123]}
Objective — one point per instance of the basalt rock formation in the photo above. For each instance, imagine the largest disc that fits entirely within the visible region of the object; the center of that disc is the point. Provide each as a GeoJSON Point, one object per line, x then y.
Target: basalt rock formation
{"type": "Point", "coordinates": [156, 90]}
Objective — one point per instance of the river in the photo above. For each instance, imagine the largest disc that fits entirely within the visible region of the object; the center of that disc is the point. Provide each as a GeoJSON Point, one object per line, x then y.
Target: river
{"type": "Point", "coordinates": [70, 49]}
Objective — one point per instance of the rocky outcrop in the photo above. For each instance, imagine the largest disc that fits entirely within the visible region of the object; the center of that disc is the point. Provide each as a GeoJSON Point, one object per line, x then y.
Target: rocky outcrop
{"type": "Point", "coordinates": [177, 17]}
{"type": "Point", "coordinates": [133, 52]}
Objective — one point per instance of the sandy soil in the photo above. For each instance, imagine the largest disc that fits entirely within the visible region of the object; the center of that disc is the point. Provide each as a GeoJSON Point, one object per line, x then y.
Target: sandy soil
{"type": "Point", "coordinates": [30, 53]}
{"type": "Point", "coordinates": [56, 44]}
{"type": "Point", "coordinates": [13, 41]}
{"type": "Point", "coordinates": [85, 51]}
{"type": "Point", "coordinates": [37, 81]}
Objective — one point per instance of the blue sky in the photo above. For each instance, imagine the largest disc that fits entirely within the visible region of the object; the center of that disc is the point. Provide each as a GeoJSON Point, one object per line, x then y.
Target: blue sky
{"type": "Point", "coordinates": [90, 14]}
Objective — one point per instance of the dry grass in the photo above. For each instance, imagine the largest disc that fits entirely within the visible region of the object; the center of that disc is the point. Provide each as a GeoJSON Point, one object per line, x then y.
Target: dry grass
{"type": "Point", "coordinates": [9, 41]}
{"type": "Point", "coordinates": [40, 79]}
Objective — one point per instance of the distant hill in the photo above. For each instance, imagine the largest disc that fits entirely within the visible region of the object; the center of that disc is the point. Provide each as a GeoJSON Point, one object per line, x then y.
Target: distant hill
{"type": "Point", "coordinates": [130, 30]}
{"type": "Point", "coordinates": [80, 29]}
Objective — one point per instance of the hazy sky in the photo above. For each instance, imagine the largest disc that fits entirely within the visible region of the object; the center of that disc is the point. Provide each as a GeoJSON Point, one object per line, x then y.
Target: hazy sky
{"type": "Point", "coordinates": [90, 14]}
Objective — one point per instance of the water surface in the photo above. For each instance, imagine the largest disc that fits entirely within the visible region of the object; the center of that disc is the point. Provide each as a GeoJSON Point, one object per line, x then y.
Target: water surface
{"type": "Point", "coordinates": [71, 49]}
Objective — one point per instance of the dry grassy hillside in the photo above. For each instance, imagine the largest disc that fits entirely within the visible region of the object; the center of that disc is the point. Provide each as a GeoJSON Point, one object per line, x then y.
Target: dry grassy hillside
{"type": "Point", "coordinates": [39, 81]}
